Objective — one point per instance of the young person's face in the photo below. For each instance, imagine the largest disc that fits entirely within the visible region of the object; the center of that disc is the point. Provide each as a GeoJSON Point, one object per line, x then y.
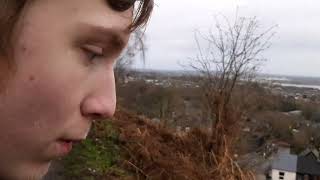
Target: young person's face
{"type": "Point", "coordinates": [64, 51]}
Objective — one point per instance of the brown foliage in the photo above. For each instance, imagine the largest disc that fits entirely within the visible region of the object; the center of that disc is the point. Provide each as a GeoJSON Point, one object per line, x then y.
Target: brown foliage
{"type": "Point", "coordinates": [155, 152]}
{"type": "Point", "coordinates": [280, 123]}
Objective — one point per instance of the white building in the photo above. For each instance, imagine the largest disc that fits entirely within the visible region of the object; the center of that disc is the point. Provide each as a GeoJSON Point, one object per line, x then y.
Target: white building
{"type": "Point", "coordinates": [283, 175]}
{"type": "Point", "coordinates": [284, 166]}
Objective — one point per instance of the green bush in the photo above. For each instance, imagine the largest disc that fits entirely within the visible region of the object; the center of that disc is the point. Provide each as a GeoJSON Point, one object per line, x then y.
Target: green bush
{"type": "Point", "coordinates": [94, 157]}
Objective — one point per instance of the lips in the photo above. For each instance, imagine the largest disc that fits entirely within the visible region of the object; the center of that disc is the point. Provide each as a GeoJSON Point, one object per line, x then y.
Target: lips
{"type": "Point", "coordinates": [64, 144]}
{"type": "Point", "coordinates": [64, 147]}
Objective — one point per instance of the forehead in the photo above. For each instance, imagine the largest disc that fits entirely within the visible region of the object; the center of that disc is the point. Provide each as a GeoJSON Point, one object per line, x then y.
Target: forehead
{"type": "Point", "coordinates": [73, 12]}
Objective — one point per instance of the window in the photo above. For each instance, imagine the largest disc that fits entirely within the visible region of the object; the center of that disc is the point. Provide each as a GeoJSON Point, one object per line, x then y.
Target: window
{"type": "Point", "coordinates": [281, 175]}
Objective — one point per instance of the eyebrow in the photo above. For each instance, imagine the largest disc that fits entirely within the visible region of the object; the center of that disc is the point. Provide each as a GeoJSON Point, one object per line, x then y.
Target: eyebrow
{"type": "Point", "coordinates": [114, 37]}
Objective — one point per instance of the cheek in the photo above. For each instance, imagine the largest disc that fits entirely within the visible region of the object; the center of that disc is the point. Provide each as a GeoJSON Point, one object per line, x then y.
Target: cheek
{"type": "Point", "coordinates": [35, 113]}
{"type": "Point", "coordinates": [42, 107]}
{"type": "Point", "coordinates": [50, 75]}
{"type": "Point", "coordinates": [52, 80]}
{"type": "Point", "coordinates": [53, 99]}
{"type": "Point", "coordinates": [42, 101]}
{"type": "Point", "coordinates": [45, 95]}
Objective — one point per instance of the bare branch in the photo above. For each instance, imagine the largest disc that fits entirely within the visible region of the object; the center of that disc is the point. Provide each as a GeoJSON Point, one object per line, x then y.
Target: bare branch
{"type": "Point", "coordinates": [233, 53]}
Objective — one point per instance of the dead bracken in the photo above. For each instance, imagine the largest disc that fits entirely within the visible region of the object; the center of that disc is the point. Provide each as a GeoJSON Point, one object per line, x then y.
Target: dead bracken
{"type": "Point", "coordinates": [154, 152]}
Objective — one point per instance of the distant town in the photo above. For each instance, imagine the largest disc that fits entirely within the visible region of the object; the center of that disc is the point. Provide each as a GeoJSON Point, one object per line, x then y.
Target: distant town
{"type": "Point", "coordinates": [270, 155]}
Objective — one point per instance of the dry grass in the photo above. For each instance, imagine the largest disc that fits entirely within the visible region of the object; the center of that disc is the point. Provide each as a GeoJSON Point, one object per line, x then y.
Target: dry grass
{"type": "Point", "coordinates": [154, 152]}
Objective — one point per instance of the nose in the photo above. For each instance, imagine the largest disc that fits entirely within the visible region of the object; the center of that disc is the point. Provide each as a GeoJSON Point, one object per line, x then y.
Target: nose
{"type": "Point", "coordinates": [100, 103]}
{"type": "Point", "coordinates": [98, 108]}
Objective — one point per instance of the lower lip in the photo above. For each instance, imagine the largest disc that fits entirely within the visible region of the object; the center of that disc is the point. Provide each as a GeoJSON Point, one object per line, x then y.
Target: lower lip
{"type": "Point", "coordinates": [64, 147]}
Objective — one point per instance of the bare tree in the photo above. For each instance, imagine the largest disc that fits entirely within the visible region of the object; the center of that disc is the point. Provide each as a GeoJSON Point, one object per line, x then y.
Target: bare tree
{"type": "Point", "coordinates": [232, 55]}
{"type": "Point", "coordinates": [135, 46]}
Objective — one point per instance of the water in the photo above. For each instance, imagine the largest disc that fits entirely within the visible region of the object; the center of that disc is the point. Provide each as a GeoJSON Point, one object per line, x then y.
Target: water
{"type": "Point", "coordinates": [300, 86]}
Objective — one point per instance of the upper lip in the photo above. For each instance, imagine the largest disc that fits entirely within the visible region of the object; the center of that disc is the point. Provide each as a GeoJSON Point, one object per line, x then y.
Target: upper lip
{"type": "Point", "coordinates": [71, 140]}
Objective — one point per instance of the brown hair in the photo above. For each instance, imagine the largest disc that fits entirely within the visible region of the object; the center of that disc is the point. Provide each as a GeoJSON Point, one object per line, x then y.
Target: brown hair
{"type": "Point", "coordinates": [10, 11]}
{"type": "Point", "coordinates": [142, 13]}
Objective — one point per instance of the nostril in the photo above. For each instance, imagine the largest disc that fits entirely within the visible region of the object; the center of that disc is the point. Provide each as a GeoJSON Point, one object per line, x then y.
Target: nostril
{"type": "Point", "coordinates": [96, 116]}
{"type": "Point", "coordinates": [97, 108]}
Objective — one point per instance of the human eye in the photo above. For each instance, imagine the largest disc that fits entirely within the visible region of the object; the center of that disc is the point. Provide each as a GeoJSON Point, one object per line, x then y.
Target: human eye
{"type": "Point", "coordinates": [93, 52]}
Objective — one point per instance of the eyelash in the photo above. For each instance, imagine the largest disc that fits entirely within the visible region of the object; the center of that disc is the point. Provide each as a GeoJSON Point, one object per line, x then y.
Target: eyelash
{"type": "Point", "coordinates": [91, 54]}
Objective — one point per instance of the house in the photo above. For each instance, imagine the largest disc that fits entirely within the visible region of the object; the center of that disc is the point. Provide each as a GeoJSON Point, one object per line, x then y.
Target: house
{"type": "Point", "coordinates": [308, 166]}
{"type": "Point", "coordinates": [286, 166]}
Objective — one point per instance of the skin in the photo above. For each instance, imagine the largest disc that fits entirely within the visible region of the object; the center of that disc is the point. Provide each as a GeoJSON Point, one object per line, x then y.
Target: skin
{"type": "Point", "coordinates": [64, 53]}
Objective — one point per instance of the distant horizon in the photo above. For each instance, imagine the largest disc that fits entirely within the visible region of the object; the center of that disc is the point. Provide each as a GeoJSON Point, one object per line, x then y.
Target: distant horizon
{"type": "Point", "coordinates": [190, 70]}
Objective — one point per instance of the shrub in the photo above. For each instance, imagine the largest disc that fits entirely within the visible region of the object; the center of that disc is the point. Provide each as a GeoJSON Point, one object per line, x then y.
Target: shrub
{"type": "Point", "coordinates": [96, 156]}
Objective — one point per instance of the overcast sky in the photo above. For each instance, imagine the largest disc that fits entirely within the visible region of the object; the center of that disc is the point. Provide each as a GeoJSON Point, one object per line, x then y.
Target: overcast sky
{"type": "Point", "coordinates": [295, 48]}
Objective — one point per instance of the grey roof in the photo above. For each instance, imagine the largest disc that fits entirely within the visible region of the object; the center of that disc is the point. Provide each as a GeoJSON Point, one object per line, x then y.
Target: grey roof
{"type": "Point", "coordinates": [285, 162]}
{"type": "Point", "coordinates": [308, 151]}
{"type": "Point", "coordinates": [308, 165]}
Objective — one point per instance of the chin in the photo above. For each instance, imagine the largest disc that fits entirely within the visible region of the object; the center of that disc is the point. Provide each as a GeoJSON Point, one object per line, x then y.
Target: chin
{"type": "Point", "coordinates": [29, 172]}
{"type": "Point", "coordinates": [39, 172]}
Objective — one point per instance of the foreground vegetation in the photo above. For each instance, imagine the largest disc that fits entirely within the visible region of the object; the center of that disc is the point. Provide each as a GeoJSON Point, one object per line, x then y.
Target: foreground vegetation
{"type": "Point", "coordinates": [97, 156]}
{"type": "Point", "coordinates": [140, 149]}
